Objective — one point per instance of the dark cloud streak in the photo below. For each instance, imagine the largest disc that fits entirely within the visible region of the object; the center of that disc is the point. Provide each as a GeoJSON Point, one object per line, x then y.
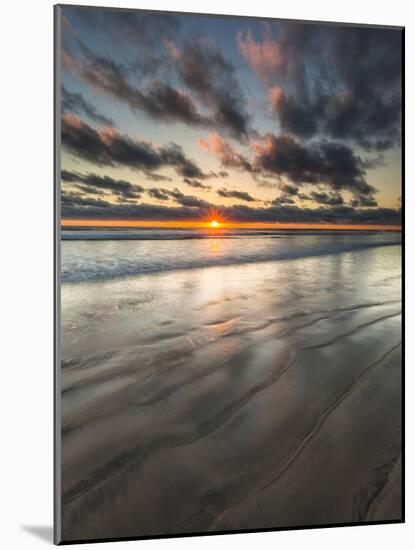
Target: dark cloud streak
{"type": "Point", "coordinates": [231, 194]}
{"type": "Point", "coordinates": [107, 147]}
{"type": "Point", "coordinates": [76, 103]}
{"type": "Point", "coordinates": [337, 81]}
{"type": "Point", "coordinates": [98, 184]}
{"type": "Point", "coordinates": [237, 213]}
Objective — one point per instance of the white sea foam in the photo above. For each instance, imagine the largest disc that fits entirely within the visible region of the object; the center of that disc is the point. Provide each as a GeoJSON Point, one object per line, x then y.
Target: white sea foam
{"type": "Point", "coordinates": [93, 255]}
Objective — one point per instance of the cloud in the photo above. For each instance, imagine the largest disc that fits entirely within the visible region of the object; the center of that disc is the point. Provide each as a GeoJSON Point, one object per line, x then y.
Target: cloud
{"type": "Point", "coordinates": [196, 184]}
{"type": "Point", "coordinates": [288, 189]}
{"type": "Point", "coordinates": [159, 194]}
{"type": "Point", "coordinates": [126, 26]}
{"type": "Point", "coordinates": [200, 66]}
{"type": "Point", "coordinates": [264, 183]}
{"type": "Point", "coordinates": [145, 31]}
{"type": "Point", "coordinates": [107, 147]}
{"type": "Point", "coordinates": [299, 118]}
{"type": "Point", "coordinates": [77, 201]}
{"type": "Point", "coordinates": [241, 195]}
{"type": "Point", "coordinates": [364, 201]}
{"type": "Point", "coordinates": [189, 200]}
{"type": "Point", "coordinates": [332, 199]}
{"type": "Point", "coordinates": [178, 197]}
{"type": "Point", "coordinates": [78, 208]}
{"type": "Point", "coordinates": [324, 162]}
{"type": "Point", "coordinates": [342, 82]}
{"type": "Point", "coordinates": [152, 176]}
{"type": "Point", "coordinates": [228, 156]}
{"type": "Point", "coordinates": [205, 71]}
{"type": "Point", "coordinates": [158, 100]}
{"type": "Point", "coordinates": [76, 103]}
{"type": "Point", "coordinates": [96, 184]}
{"type": "Point", "coordinates": [264, 57]}
{"type": "Point", "coordinates": [332, 92]}
{"type": "Point", "coordinates": [163, 101]}
{"type": "Point", "coordinates": [283, 199]}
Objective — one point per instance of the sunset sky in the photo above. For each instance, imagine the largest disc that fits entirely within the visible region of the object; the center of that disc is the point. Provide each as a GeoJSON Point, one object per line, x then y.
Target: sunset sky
{"type": "Point", "coordinates": [179, 118]}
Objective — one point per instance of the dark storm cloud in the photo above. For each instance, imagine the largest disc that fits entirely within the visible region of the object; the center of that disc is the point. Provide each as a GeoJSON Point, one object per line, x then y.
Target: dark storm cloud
{"type": "Point", "coordinates": [340, 82]}
{"type": "Point", "coordinates": [89, 190]}
{"type": "Point", "coordinates": [364, 201]}
{"type": "Point", "coordinates": [172, 155]}
{"type": "Point", "coordinates": [369, 66]}
{"type": "Point", "coordinates": [331, 199]}
{"type": "Point", "coordinates": [98, 184]}
{"type": "Point", "coordinates": [159, 194]}
{"type": "Point", "coordinates": [333, 164]}
{"type": "Point", "coordinates": [196, 184]}
{"type": "Point", "coordinates": [78, 201]}
{"type": "Point", "coordinates": [159, 100]}
{"type": "Point", "coordinates": [152, 176]}
{"type": "Point", "coordinates": [163, 101]}
{"type": "Point", "coordinates": [283, 199]}
{"type": "Point", "coordinates": [300, 118]}
{"type": "Point", "coordinates": [215, 85]}
{"type": "Point", "coordinates": [321, 162]}
{"type": "Point", "coordinates": [76, 207]}
{"type": "Point", "coordinates": [178, 197]}
{"type": "Point", "coordinates": [202, 68]}
{"type": "Point", "coordinates": [211, 77]}
{"type": "Point", "coordinates": [69, 176]}
{"type": "Point", "coordinates": [335, 214]}
{"type": "Point", "coordinates": [288, 189]}
{"type": "Point", "coordinates": [141, 34]}
{"type": "Point", "coordinates": [109, 148]}
{"type": "Point", "coordinates": [241, 195]}
{"type": "Point", "coordinates": [189, 200]}
{"type": "Point", "coordinates": [76, 103]}
{"type": "Point", "coordinates": [144, 29]}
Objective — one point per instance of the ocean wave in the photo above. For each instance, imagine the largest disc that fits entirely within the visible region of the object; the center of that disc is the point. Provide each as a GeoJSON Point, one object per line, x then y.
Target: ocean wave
{"type": "Point", "coordinates": [142, 234]}
{"type": "Point", "coordinates": [91, 261]}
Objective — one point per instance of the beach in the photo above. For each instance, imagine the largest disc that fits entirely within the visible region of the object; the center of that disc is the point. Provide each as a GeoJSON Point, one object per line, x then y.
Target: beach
{"type": "Point", "coordinates": [229, 381]}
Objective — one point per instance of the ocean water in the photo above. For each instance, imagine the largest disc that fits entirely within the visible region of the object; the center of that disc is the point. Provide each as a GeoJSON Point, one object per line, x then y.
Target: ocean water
{"type": "Point", "coordinates": [229, 381]}
{"type": "Point", "coordinates": [89, 255]}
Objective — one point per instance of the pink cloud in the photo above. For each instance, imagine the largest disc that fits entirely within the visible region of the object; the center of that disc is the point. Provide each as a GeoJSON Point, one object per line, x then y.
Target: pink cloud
{"type": "Point", "coordinates": [226, 153]}
{"type": "Point", "coordinates": [264, 57]}
{"type": "Point", "coordinates": [72, 120]}
{"type": "Point", "coordinates": [276, 97]}
{"type": "Point", "coordinates": [70, 62]}
{"type": "Point", "coordinates": [108, 135]}
{"type": "Point", "coordinates": [173, 50]}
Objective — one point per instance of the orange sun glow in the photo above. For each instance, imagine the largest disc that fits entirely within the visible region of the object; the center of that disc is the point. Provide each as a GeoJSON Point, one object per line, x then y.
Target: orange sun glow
{"type": "Point", "coordinates": [214, 223]}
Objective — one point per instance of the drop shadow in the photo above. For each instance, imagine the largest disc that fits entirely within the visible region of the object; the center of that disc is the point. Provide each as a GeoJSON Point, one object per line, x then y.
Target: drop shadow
{"type": "Point", "coordinates": [43, 532]}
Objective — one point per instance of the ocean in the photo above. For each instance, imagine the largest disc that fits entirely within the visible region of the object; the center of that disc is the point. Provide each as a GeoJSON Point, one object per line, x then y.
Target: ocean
{"type": "Point", "coordinates": [101, 254]}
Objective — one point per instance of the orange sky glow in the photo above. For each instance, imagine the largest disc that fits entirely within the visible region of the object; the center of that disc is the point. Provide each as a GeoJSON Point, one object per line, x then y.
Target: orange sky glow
{"type": "Point", "coordinates": [221, 225]}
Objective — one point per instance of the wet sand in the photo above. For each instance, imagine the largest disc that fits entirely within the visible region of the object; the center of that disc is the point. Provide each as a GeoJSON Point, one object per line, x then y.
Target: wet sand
{"type": "Point", "coordinates": [263, 395]}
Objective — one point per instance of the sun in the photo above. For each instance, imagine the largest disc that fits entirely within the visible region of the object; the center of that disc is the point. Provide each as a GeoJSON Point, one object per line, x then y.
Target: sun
{"type": "Point", "coordinates": [214, 223]}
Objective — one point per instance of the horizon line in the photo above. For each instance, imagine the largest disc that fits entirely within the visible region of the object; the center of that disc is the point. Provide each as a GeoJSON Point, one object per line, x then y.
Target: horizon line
{"type": "Point", "coordinates": [77, 222]}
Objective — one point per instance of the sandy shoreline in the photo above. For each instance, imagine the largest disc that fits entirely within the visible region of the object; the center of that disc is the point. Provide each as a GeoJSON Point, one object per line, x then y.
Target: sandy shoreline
{"type": "Point", "coordinates": [239, 397]}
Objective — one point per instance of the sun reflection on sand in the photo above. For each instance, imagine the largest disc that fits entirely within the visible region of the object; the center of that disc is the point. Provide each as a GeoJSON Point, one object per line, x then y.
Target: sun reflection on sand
{"type": "Point", "coordinates": [214, 247]}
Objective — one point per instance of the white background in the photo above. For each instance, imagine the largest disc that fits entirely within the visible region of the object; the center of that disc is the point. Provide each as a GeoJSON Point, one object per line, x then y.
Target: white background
{"type": "Point", "coordinates": [26, 104]}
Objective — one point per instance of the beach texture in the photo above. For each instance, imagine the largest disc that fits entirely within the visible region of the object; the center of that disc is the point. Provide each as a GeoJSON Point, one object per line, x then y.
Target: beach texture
{"type": "Point", "coordinates": [264, 394]}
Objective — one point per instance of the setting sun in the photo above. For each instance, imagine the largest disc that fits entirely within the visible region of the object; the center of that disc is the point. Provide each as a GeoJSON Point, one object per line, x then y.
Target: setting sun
{"type": "Point", "coordinates": [214, 223]}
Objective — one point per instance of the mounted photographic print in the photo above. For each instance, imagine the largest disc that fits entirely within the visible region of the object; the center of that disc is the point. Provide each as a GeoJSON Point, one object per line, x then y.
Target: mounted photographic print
{"type": "Point", "coordinates": [228, 274]}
